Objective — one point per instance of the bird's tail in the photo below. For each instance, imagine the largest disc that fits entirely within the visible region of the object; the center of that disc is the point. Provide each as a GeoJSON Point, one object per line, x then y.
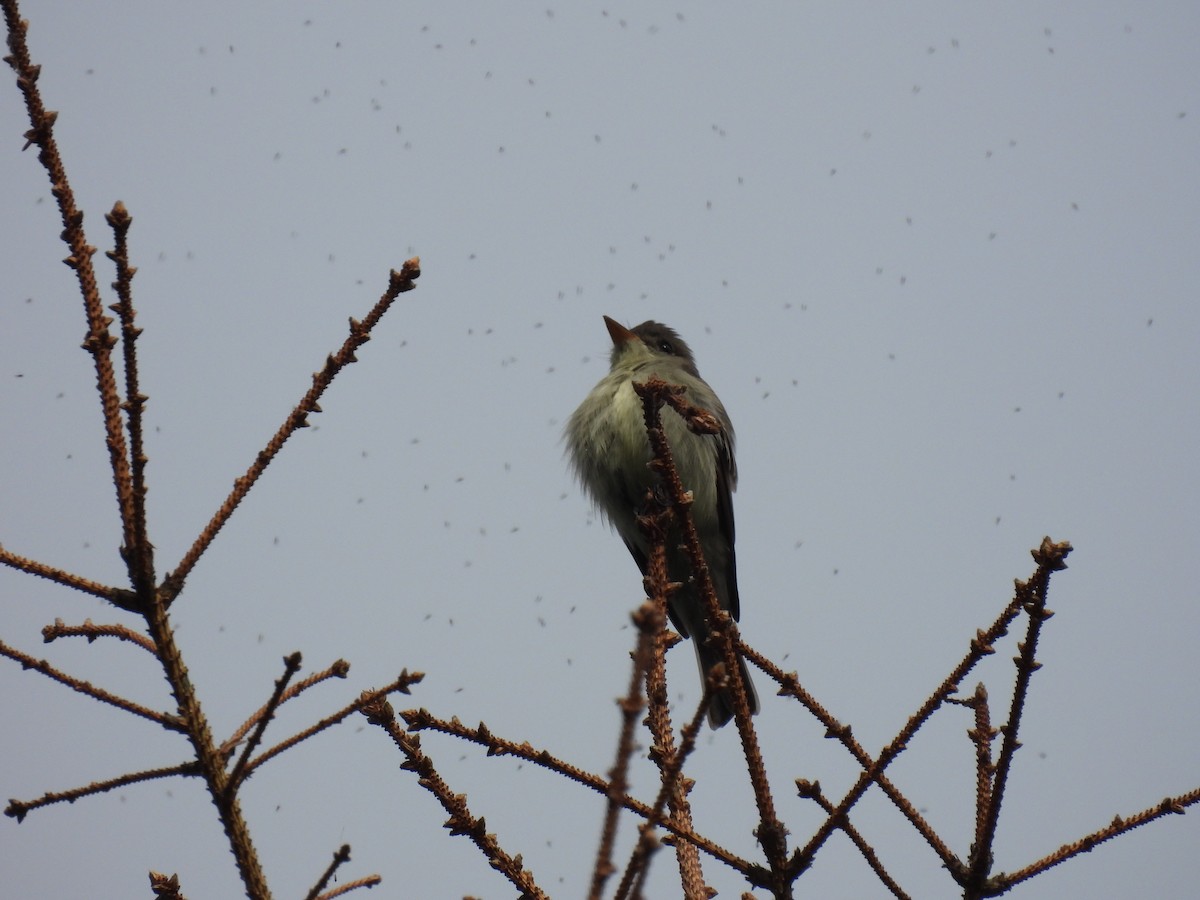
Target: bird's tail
{"type": "Point", "coordinates": [720, 708]}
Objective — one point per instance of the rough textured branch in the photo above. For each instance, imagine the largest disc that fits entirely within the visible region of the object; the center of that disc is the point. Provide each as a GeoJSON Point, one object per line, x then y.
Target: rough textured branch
{"type": "Point", "coordinates": [360, 333]}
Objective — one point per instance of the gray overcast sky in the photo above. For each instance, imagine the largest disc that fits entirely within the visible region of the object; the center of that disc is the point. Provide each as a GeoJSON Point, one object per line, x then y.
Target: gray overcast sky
{"type": "Point", "coordinates": [939, 259]}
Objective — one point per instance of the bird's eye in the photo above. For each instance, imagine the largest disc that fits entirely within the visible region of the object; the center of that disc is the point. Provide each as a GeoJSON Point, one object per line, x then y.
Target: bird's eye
{"type": "Point", "coordinates": [665, 346]}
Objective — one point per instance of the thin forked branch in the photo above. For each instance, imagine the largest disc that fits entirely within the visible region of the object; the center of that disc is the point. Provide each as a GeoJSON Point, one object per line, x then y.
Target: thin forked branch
{"type": "Point", "coordinates": [400, 685]}
{"type": "Point", "coordinates": [1048, 555]}
{"type": "Point", "coordinates": [339, 669]}
{"type": "Point", "coordinates": [99, 340]}
{"type": "Point", "coordinates": [1031, 594]}
{"type": "Point", "coordinates": [291, 665]}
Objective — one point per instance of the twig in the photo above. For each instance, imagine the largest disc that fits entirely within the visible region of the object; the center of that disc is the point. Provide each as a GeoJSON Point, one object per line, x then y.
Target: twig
{"type": "Point", "coordinates": [360, 333]}
{"type": "Point", "coordinates": [368, 881]}
{"type": "Point", "coordinates": [291, 665]}
{"type": "Point", "coordinates": [119, 597]}
{"type": "Point", "coordinates": [210, 759]}
{"type": "Point", "coordinates": [1170, 806]}
{"type": "Point", "coordinates": [1050, 557]}
{"type": "Point", "coordinates": [91, 631]}
{"type": "Point", "coordinates": [139, 555]}
{"type": "Point", "coordinates": [812, 791]}
{"type": "Point", "coordinates": [339, 859]}
{"type": "Point", "coordinates": [99, 341]}
{"type": "Point", "coordinates": [771, 833]}
{"type": "Point", "coordinates": [673, 787]}
{"type": "Point", "coordinates": [400, 685]}
{"type": "Point", "coordinates": [379, 712]}
{"type": "Point", "coordinates": [637, 872]}
{"type": "Point", "coordinates": [339, 669]}
{"type": "Point", "coordinates": [18, 809]}
{"type": "Point", "coordinates": [981, 736]}
{"type": "Point", "coordinates": [631, 706]}
{"type": "Point", "coordinates": [981, 646]}
{"type": "Point", "coordinates": [423, 719]}
{"type": "Point", "coordinates": [790, 686]}
{"type": "Point", "coordinates": [166, 720]}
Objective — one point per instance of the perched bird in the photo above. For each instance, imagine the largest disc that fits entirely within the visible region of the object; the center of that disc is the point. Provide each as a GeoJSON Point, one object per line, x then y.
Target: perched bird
{"type": "Point", "coordinates": [609, 451]}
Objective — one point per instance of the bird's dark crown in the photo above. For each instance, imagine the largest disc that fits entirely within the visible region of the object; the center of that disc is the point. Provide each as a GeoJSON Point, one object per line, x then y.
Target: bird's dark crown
{"type": "Point", "coordinates": [664, 340]}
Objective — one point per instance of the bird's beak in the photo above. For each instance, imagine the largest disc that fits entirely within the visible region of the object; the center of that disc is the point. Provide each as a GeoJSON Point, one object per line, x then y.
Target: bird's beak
{"type": "Point", "coordinates": [618, 332]}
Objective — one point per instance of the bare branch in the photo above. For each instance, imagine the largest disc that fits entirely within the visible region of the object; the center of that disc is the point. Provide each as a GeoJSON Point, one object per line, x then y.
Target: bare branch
{"type": "Point", "coordinates": [170, 722]}
{"type": "Point", "coordinates": [99, 341]}
{"type": "Point", "coordinates": [119, 597]}
{"type": "Point", "coordinates": [1171, 806]}
{"type": "Point", "coordinates": [812, 791]}
{"type": "Point", "coordinates": [618, 785]}
{"type": "Point", "coordinates": [771, 833]}
{"type": "Point", "coordinates": [291, 665]}
{"type": "Point", "coordinates": [138, 551]}
{"type": "Point", "coordinates": [360, 333]}
{"type": "Point", "coordinates": [91, 631]}
{"type": "Point", "coordinates": [1050, 557]}
{"type": "Point", "coordinates": [400, 685]}
{"type": "Point", "coordinates": [379, 712]}
{"type": "Point", "coordinates": [339, 669]}
{"type": "Point", "coordinates": [18, 809]}
{"type": "Point", "coordinates": [339, 859]}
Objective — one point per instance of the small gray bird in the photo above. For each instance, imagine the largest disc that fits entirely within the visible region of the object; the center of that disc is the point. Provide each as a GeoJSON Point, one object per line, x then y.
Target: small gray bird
{"type": "Point", "coordinates": [609, 451]}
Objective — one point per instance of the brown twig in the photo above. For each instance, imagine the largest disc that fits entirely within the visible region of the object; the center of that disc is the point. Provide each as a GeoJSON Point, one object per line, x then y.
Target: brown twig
{"type": "Point", "coordinates": [637, 872]}
{"type": "Point", "coordinates": [119, 597]}
{"type": "Point", "coordinates": [400, 685]}
{"type": "Point", "coordinates": [981, 646]}
{"type": "Point", "coordinates": [790, 686]}
{"type": "Point", "coordinates": [139, 555]}
{"type": "Point", "coordinates": [631, 706]}
{"type": "Point", "coordinates": [18, 809]}
{"type": "Point", "coordinates": [812, 791]}
{"type": "Point", "coordinates": [339, 859]}
{"type": "Point", "coordinates": [379, 712]}
{"type": "Point", "coordinates": [1171, 806]}
{"type": "Point", "coordinates": [368, 881]}
{"type": "Point", "coordinates": [166, 720]}
{"type": "Point", "coordinates": [99, 340]}
{"type": "Point", "coordinates": [424, 720]}
{"type": "Point", "coordinates": [771, 833]}
{"type": "Point", "coordinates": [209, 758]}
{"type": "Point", "coordinates": [981, 736]}
{"type": "Point", "coordinates": [291, 665]}
{"type": "Point", "coordinates": [91, 631]}
{"type": "Point", "coordinates": [674, 786]}
{"type": "Point", "coordinates": [1050, 557]}
{"type": "Point", "coordinates": [360, 333]}
{"type": "Point", "coordinates": [339, 669]}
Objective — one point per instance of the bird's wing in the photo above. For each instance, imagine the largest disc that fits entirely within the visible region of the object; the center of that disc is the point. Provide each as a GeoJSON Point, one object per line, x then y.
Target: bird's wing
{"type": "Point", "coordinates": [726, 483]}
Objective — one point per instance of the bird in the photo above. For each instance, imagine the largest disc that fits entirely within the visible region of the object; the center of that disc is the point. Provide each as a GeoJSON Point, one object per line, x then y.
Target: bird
{"type": "Point", "coordinates": [609, 453]}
